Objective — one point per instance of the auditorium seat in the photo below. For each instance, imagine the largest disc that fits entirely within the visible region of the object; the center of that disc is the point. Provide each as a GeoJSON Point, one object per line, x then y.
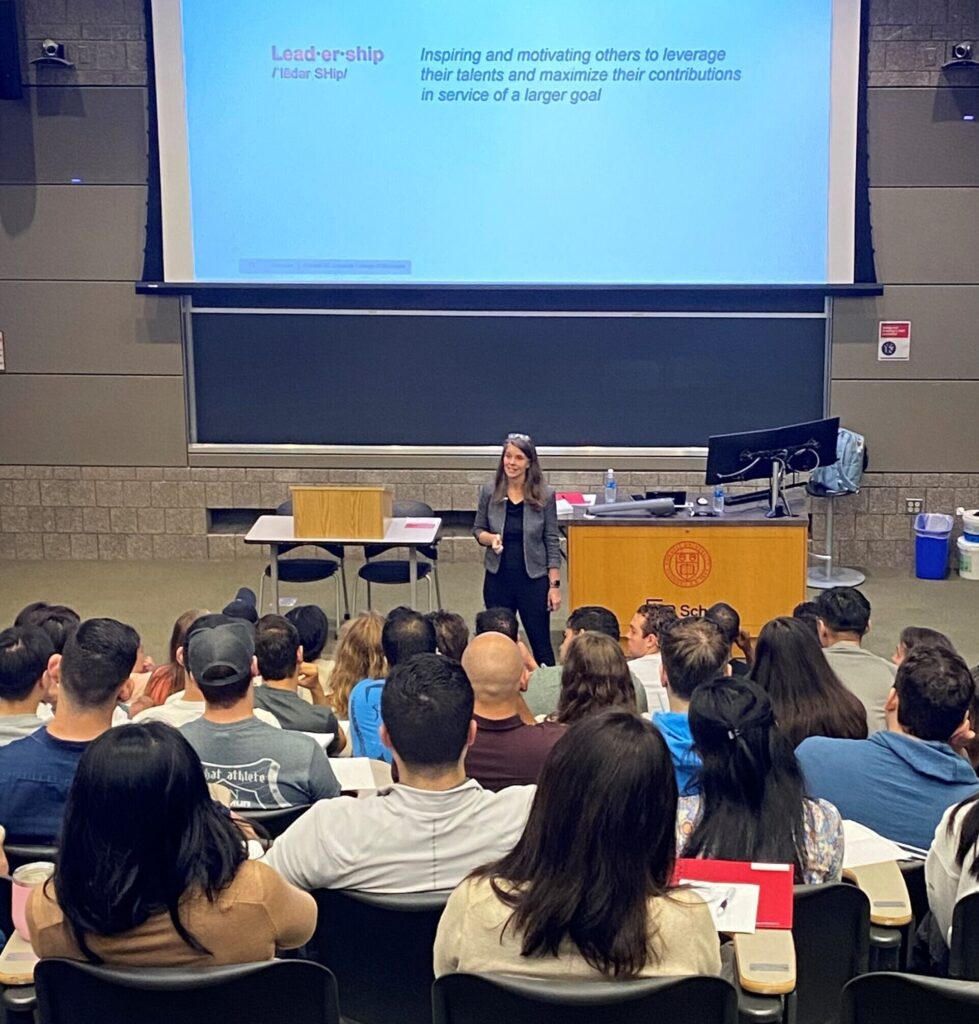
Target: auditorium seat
{"type": "Point", "coordinates": [963, 954]}
{"type": "Point", "coordinates": [908, 999]}
{"type": "Point", "coordinates": [284, 991]}
{"type": "Point", "coordinates": [516, 999]}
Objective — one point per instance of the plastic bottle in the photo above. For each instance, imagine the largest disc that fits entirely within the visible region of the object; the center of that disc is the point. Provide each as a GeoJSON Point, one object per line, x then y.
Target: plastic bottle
{"type": "Point", "coordinates": [718, 506]}
{"type": "Point", "coordinates": [611, 490]}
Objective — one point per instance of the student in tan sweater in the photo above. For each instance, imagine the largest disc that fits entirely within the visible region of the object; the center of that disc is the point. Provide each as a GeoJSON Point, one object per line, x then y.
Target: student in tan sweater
{"type": "Point", "coordinates": [152, 873]}
{"type": "Point", "coordinates": [586, 891]}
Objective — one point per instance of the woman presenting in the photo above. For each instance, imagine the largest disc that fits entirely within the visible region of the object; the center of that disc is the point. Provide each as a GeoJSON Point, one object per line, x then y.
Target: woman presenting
{"type": "Point", "coordinates": [517, 523]}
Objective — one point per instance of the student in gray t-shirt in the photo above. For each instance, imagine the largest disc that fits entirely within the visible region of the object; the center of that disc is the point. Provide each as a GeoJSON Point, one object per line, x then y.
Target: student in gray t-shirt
{"type": "Point", "coordinates": [264, 768]}
{"type": "Point", "coordinates": [280, 656]}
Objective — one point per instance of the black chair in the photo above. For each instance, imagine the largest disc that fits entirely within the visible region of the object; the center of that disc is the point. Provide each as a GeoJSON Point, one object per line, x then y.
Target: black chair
{"type": "Point", "coordinates": [908, 999]}
{"type": "Point", "coordinates": [17, 855]}
{"type": "Point", "coordinates": [308, 570]}
{"type": "Point", "coordinates": [963, 953]}
{"type": "Point", "coordinates": [396, 571]}
{"type": "Point", "coordinates": [492, 998]}
{"type": "Point", "coordinates": [283, 991]}
{"type": "Point", "coordinates": [276, 821]}
{"type": "Point", "coordinates": [914, 879]}
{"type": "Point", "coordinates": [831, 929]}
{"type": "Point", "coordinates": [380, 950]}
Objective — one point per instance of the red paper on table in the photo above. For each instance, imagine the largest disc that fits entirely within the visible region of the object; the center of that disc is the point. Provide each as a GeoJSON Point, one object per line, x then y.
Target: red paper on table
{"type": "Point", "coordinates": [774, 883]}
{"type": "Point", "coordinates": [571, 497]}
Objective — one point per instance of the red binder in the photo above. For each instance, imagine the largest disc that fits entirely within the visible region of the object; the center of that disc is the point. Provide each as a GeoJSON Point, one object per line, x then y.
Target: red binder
{"type": "Point", "coordinates": [571, 497]}
{"type": "Point", "coordinates": [774, 883]}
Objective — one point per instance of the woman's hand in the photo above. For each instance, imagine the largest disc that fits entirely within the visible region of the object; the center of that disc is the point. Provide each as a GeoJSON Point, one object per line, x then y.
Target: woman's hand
{"type": "Point", "coordinates": [496, 543]}
{"type": "Point", "coordinates": [553, 599]}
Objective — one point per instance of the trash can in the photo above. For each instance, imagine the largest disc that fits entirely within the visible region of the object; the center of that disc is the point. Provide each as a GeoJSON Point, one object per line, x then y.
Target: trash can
{"type": "Point", "coordinates": [932, 531]}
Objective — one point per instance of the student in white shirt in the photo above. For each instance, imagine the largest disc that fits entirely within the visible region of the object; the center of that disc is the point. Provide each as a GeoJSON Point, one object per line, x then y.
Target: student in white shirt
{"type": "Point", "coordinates": [642, 643]}
{"type": "Point", "coordinates": [430, 829]}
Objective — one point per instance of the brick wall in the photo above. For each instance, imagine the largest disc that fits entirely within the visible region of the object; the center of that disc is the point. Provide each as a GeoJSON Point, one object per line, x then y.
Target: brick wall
{"type": "Point", "coordinates": [911, 39]}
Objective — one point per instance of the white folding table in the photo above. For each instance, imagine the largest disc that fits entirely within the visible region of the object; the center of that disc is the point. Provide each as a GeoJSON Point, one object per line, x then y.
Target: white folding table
{"type": "Point", "coordinates": [411, 533]}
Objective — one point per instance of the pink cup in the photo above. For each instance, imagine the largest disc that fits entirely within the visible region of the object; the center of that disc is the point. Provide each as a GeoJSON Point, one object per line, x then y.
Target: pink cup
{"type": "Point", "coordinates": [26, 878]}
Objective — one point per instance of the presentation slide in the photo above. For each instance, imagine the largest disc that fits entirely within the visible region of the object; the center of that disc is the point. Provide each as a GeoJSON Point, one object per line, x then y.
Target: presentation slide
{"type": "Point", "coordinates": [447, 142]}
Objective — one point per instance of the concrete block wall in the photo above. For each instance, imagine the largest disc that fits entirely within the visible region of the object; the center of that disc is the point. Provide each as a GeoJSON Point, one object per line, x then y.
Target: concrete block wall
{"type": "Point", "coordinates": [93, 453]}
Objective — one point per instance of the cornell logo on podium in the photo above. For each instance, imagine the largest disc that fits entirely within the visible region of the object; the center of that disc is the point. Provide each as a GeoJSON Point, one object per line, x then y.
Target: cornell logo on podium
{"type": "Point", "coordinates": [687, 564]}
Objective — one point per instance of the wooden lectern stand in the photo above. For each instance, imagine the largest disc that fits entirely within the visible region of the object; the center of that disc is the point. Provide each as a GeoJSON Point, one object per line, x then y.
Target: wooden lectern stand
{"type": "Point", "coordinates": [354, 513]}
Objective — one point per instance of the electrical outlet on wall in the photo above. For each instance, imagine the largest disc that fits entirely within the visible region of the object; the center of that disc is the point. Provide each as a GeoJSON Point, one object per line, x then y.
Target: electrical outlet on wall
{"type": "Point", "coordinates": [913, 505]}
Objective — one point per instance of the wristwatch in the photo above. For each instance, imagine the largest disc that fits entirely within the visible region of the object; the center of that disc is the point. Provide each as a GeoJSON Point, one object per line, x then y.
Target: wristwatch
{"type": "Point", "coordinates": [556, 584]}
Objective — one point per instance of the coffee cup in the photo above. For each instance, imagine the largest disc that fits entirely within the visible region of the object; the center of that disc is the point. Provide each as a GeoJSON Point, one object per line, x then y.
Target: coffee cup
{"type": "Point", "coordinates": [25, 879]}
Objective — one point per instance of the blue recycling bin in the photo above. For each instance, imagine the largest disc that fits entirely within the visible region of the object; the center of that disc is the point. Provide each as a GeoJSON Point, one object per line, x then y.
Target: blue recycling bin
{"type": "Point", "coordinates": [932, 531]}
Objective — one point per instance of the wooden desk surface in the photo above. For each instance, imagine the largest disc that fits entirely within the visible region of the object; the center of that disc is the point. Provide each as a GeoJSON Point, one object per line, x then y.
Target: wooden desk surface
{"type": "Point", "coordinates": [17, 962]}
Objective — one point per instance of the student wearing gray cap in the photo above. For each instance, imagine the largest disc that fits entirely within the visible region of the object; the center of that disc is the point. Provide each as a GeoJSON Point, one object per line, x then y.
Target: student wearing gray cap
{"type": "Point", "coordinates": [264, 768]}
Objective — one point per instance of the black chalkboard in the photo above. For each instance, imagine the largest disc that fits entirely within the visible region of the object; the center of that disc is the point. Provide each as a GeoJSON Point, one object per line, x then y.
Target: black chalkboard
{"type": "Point", "coordinates": [293, 378]}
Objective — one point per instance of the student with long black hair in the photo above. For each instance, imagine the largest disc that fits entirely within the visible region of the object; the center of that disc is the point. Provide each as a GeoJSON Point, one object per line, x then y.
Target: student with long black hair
{"type": "Point", "coordinates": [586, 892]}
{"type": "Point", "coordinates": [808, 697]}
{"type": "Point", "coordinates": [751, 803]}
{"type": "Point", "coordinates": [152, 873]}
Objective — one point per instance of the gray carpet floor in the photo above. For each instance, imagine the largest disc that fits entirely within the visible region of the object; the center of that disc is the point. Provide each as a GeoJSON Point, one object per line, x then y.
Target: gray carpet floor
{"type": "Point", "coordinates": [150, 595]}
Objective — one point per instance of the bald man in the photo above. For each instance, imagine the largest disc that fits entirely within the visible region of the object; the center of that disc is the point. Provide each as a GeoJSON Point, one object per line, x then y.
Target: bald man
{"type": "Point", "coordinates": [507, 751]}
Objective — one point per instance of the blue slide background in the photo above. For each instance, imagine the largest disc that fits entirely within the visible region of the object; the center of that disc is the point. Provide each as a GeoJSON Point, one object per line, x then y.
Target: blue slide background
{"type": "Point", "coordinates": [665, 182]}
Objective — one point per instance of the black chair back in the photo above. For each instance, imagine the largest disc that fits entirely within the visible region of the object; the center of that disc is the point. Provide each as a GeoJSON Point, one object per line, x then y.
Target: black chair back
{"type": "Point", "coordinates": [908, 999]}
{"type": "Point", "coordinates": [831, 929]}
{"type": "Point", "coordinates": [963, 954]}
{"type": "Point", "coordinates": [492, 998]}
{"type": "Point", "coordinates": [407, 510]}
{"type": "Point", "coordinates": [380, 950]}
{"type": "Point", "coordinates": [276, 821]}
{"type": "Point", "coordinates": [18, 854]}
{"type": "Point", "coordinates": [283, 991]}
{"type": "Point", "coordinates": [914, 878]}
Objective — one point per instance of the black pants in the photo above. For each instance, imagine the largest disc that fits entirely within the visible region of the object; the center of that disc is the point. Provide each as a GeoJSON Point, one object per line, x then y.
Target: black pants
{"type": "Point", "coordinates": [528, 598]}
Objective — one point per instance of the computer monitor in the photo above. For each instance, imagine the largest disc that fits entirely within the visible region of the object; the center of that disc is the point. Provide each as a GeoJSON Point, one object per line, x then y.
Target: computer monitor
{"type": "Point", "coordinates": [770, 454]}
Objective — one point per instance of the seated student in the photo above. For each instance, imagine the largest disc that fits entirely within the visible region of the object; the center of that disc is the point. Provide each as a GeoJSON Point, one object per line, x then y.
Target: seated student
{"type": "Point", "coordinates": [25, 652]}
{"type": "Point", "coordinates": [728, 621]}
{"type": "Point", "coordinates": [405, 634]}
{"type": "Point", "coordinates": [358, 656]}
{"type": "Point", "coordinates": [900, 781]}
{"type": "Point", "coordinates": [169, 679]}
{"type": "Point", "coordinates": [596, 676]}
{"type": "Point", "coordinates": [544, 685]}
{"type": "Point", "coordinates": [314, 630]}
{"type": "Point", "coordinates": [844, 620]}
{"type": "Point", "coordinates": [263, 767]}
{"type": "Point", "coordinates": [694, 651]}
{"type": "Point", "coordinates": [280, 657]}
{"type": "Point", "coordinates": [952, 867]}
{"type": "Point", "coordinates": [451, 633]}
{"type": "Point", "coordinates": [912, 636]}
{"type": "Point", "coordinates": [642, 642]}
{"type": "Point", "coordinates": [807, 697]}
{"type": "Point", "coordinates": [507, 751]}
{"type": "Point", "coordinates": [57, 620]}
{"type": "Point", "coordinates": [587, 890]}
{"type": "Point", "coordinates": [805, 611]}
{"type": "Point", "coordinates": [497, 620]}
{"type": "Point", "coordinates": [151, 873]}
{"type": "Point", "coordinates": [35, 772]}
{"type": "Point", "coordinates": [430, 829]}
{"type": "Point", "coordinates": [751, 804]}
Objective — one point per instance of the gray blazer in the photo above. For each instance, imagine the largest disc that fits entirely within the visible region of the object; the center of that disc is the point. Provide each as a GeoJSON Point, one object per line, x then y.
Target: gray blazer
{"type": "Point", "coordinates": [541, 541]}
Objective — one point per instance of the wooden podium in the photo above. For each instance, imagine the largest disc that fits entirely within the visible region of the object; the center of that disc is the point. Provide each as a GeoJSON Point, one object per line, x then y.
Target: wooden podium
{"type": "Point", "coordinates": [355, 513]}
{"type": "Point", "coordinates": [755, 564]}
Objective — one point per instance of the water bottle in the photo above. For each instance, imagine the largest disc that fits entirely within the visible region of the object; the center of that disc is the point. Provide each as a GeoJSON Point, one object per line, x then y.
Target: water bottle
{"type": "Point", "coordinates": [718, 505]}
{"type": "Point", "coordinates": [610, 487]}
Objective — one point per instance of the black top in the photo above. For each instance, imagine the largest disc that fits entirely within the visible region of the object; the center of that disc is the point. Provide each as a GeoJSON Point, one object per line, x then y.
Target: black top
{"type": "Point", "coordinates": [512, 558]}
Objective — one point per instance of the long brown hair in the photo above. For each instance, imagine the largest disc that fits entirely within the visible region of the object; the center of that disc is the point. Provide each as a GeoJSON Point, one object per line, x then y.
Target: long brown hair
{"type": "Point", "coordinates": [172, 678]}
{"type": "Point", "coordinates": [358, 656]}
{"type": "Point", "coordinates": [808, 698]}
{"type": "Point", "coordinates": [595, 676]}
{"type": "Point", "coordinates": [599, 843]}
{"type": "Point", "coordinates": [533, 486]}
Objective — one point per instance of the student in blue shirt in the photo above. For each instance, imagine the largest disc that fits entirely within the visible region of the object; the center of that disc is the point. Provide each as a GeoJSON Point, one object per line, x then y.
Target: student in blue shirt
{"type": "Point", "coordinates": [405, 633]}
{"type": "Point", "coordinates": [901, 780]}
{"type": "Point", "coordinates": [36, 772]}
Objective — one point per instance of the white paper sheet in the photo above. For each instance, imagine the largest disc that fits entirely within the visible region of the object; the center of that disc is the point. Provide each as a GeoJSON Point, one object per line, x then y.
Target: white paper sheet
{"type": "Point", "coordinates": [353, 773]}
{"type": "Point", "coordinates": [732, 905]}
{"type": "Point", "coordinates": [862, 845]}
